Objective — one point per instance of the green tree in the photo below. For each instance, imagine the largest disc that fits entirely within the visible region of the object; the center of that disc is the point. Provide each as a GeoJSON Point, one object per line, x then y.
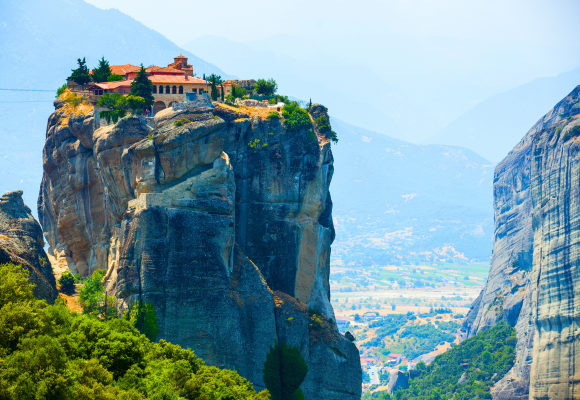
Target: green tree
{"type": "Point", "coordinates": [67, 282]}
{"type": "Point", "coordinates": [115, 104]}
{"type": "Point", "coordinates": [238, 92]}
{"type": "Point", "coordinates": [136, 104]}
{"type": "Point", "coordinates": [92, 294]}
{"type": "Point", "coordinates": [102, 72]}
{"type": "Point", "coordinates": [266, 87]}
{"type": "Point", "coordinates": [50, 353]}
{"type": "Point", "coordinates": [142, 316]}
{"type": "Point", "coordinates": [284, 371]}
{"type": "Point", "coordinates": [214, 80]}
{"type": "Point", "coordinates": [80, 76]}
{"type": "Point", "coordinates": [115, 78]}
{"type": "Point", "coordinates": [143, 87]}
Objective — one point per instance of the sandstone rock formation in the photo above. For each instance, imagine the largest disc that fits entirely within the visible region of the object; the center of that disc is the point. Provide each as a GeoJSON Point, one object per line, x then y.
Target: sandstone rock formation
{"type": "Point", "coordinates": [21, 242]}
{"type": "Point", "coordinates": [224, 224]}
{"type": "Point", "coordinates": [532, 283]}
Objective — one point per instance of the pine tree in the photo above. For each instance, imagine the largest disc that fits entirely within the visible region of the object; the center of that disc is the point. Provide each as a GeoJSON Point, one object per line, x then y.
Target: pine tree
{"type": "Point", "coordinates": [102, 72]}
{"type": "Point", "coordinates": [143, 87]}
{"type": "Point", "coordinates": [80, 76]}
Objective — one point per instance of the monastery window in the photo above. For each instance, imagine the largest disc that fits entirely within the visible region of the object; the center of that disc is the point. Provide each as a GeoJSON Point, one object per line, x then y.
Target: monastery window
{"type": "Point", "coordinates": [154, 89]}
{"type": "Point", "coordinates": [167, 90]}
{"type": "Point", "coordinates": [181, 90]}
{"type": "Point", "coordinates": [161, 89]}
{"type": "Point", "coordinates": [194, 90]}
{"type": "Point", "coordinates": [174, 90]}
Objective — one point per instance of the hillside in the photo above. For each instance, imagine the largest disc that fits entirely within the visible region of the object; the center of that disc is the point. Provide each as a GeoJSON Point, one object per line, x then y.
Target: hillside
{"type": "Point", "coordinates": [494, 126]}
{"type": "Point", "coordinates": [38, 53]}
{"type": "Point", "coordinates": [398, 202]}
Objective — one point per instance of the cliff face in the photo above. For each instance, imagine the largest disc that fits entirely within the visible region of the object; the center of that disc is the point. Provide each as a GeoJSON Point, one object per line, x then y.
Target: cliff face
{"type": "Point", "coordinates": [532, 283]}
{"type": "Point", "coordinates": [224, 224]}
{"type": "Point", "coordinates": [21, 242]}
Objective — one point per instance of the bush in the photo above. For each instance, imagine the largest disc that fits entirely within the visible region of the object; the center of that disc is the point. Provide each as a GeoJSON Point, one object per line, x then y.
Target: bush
{"type": "Point", "coordinates": [67, 282]}
{"type": "Point", "coordinates": [115, 104]}
{"type": "Point", "coordinates": [92, 295]}
{"type": "Point", "coordinates": [181, 122]}
{"type": "Point", "coordinates": [49, 352]}
{"type": "Point", "coordinates": [273, 115]}
{"type": "Point", "coordinates": [115, 78]}
{"type": "Point", "coordinates": [61, 90]}
{"type": "Point", "coordinates": [230, 100]}
{"type": "Point", "coordinates": [296, 118]}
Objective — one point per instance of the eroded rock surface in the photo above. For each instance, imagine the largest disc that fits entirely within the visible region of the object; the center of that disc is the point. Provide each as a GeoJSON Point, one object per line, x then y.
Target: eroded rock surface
{"type": "Point", "coordinates": [21, 242]}
{"type": "Point", "coordinates": [532, 283]}
{"type": "Point", "coordinates": [224, 224]}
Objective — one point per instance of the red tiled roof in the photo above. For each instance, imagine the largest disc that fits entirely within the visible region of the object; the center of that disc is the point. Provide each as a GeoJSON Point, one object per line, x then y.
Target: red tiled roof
{"type": "Point", "coordinates": [124, 69]}
{"type": "Point", "coordinates": [168, 69]}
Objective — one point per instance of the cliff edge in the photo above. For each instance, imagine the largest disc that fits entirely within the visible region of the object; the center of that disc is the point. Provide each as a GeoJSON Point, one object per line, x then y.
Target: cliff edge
{"type": "Point", "coordinates": [533, 282]}
{"type": "Point", "coordinates": [223, 223]}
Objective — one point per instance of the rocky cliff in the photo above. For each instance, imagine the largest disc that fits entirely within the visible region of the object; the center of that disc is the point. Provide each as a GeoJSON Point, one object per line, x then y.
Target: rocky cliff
{"type": "Point", "coordinates": [21, 242]}
{"type": "Point", "coordinates": [532, 283]}
{"type": "Point", "coordinates": [224, 224]}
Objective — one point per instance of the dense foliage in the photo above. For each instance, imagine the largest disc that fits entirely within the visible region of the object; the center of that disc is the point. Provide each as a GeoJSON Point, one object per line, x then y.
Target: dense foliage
{"type": "Point", "coordinates": [102, 72]}
{"type": "Point", "coordinates": [117, 106]}
{"type": "Point", "coordinates": [115, 78]}
{"type": "Point", "coordinates": [284, 372]}
{"type": "Point", "coordinates": [427, 338]}
{"type": "Point", "coordinates": [296, 118]}
{"type": "Point", "coordinates": [484, 359]}
{"type": "Point", "coordinates": [47, 352]}
{"type": "Point", "coordinates": [265, 87]}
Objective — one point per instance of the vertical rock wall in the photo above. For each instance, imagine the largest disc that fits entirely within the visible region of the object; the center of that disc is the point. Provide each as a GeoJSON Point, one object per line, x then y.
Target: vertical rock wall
{"type": "Point", "coordinates": [531, 284]}
{"type": "Point", "coordinates": [221, 236]}
{"type": "Point", "coordinates": [22, 243]}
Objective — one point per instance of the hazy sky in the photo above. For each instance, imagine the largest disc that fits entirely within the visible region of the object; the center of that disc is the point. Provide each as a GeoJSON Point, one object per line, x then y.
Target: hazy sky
{"type": "Point", "coordinates": [546, 22]}
{"type": "Point", "coordinates": [445, 54]}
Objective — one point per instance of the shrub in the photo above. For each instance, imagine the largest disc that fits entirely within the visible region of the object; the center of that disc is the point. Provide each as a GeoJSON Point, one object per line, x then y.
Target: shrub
{"type": "Point", "coordinates": [572, 133]}
{"type": "Point", "coordinates": [181, 122]}
{"type": "Point", "coordinates": [115, 104]}
{"type": "Point", "coordinates": [144, 319]}
{"type": "Point", "coordinates": [67, 282]}
{"type": "Point", "coordinates": [115, 78]}
{"type": "Point", "coordinates": [322, 123]}
{"type": "Point", "coordinates": [61, 90]}
{"type": "Point", "coordinates": [273, 115]}
{"type": "Point", "coordinates": [230, 100]}
{"type": "Point", "coordinates": [296, 118]}
{"type": "Point", "coordinates": [136, 104]}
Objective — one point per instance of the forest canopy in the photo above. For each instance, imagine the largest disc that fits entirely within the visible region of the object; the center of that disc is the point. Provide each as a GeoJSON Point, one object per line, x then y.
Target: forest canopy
{"type": "Point", "coordinates": [48, 352]}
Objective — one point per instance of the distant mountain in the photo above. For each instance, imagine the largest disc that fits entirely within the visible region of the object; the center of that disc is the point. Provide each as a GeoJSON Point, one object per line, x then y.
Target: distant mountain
{"type": "Point", "coordinates": [40, 42]}
{"type": "Point", "coordinates": [399, 202]}
{"type": "Point", "coordinates": [496, 125]}
{"type": "Point", "coordinates": [350, 90]}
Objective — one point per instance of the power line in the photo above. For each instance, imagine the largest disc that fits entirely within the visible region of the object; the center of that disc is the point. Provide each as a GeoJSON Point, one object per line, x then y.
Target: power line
{"type": "Point", "coordinates": [29, 90]}
{"type": "Point", "coordinates": [28, 101]}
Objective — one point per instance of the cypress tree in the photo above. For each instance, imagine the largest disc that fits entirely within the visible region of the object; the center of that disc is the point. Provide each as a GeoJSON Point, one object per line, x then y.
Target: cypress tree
{"type": "Point", "coordinates": [143, 87]}
{"type": "Point", "coordinates": [284, 372]}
